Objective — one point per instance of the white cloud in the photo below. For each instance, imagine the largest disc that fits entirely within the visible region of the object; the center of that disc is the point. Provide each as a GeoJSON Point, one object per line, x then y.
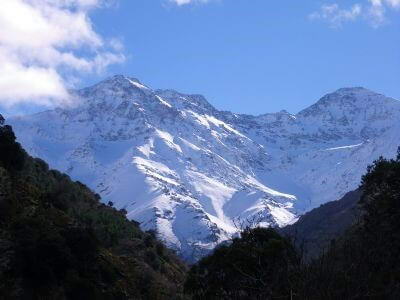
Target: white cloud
{"type": "Point", "coordinates": [391, 3]}
{"type": "Point", "coordinates": [335, 15]}
{"type": "Point", "coordinates": [377, 10]}
{"type": "Point", "coordinates": [184, 2]}
{"type": "Point", "coordinates": [374, 11]}
{"type": "Point", "coordinates": [44, 42]}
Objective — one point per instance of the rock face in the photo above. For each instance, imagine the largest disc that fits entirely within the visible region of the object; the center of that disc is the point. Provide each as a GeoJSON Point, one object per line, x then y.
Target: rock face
{"type": "Point", "coordinates": [190, 172]}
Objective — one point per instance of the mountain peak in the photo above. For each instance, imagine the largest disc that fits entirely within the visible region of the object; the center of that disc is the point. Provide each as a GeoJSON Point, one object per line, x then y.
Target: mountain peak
{"type": "Point", "coordinates": [120, 81]}
{"type": "Point", "coordinates": [188, 171]}
{"type": "Point", "coordinates": [113, 88]}
{"type": "Point", "coordinates": [349, 99]}
{"type": "Point", "coordinates": [358, 92]}
{"type": "Point", "coordinates": [355, 89]}
{"type": "Point", "coordinates": [351, 93]}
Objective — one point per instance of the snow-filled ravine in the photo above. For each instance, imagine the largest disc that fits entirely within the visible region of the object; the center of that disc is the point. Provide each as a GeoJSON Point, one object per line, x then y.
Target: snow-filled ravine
{"type": "Point", "coordinates": [193, 173]}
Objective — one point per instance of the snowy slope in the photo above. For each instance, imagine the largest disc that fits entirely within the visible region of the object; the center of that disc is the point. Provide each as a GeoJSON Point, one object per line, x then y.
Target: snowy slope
{"type": "Point", "coordinates": [191, 172]}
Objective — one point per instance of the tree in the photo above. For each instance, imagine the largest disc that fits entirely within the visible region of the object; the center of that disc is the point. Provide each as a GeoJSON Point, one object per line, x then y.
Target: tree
{"type": "Point", "coordinates": [57, 241]}
{"type": "Point", "coordinates": [259, 265]}
{"type": "Point", "coordinates": [12, 156]}
{"type": "Point", "coordinates": [364, 262]}
{"type": "Point", "coordinates": [398, 154]}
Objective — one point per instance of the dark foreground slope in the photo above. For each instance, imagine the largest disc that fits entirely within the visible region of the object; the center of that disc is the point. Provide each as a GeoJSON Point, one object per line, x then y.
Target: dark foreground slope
{"type": "Point", "coordinates": [361, 264]}
{"type": "Point", "coordinates": [57, 241]}
{"type": "Point", "coordinates": [315, 230]}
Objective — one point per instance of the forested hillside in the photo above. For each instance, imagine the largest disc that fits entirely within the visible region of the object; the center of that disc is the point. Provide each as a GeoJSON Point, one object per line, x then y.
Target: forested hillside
{"type": "Point", "coordinates": [57, 241]}
{"type": "Point", "coordinates": [362, 264]}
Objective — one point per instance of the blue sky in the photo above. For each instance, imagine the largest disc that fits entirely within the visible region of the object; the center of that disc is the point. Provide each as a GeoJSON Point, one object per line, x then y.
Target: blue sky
{"type": "Point", "coordinates": [253, 56]}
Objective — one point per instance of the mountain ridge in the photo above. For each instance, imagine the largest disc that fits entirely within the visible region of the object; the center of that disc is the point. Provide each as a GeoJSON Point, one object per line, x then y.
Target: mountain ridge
{"type": "Point", "coordinates": [188, 170]}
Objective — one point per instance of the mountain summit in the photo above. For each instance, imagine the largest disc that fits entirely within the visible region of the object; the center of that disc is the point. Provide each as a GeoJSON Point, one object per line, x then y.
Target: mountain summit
{"type": "Point", "coordinates": [194, 173]}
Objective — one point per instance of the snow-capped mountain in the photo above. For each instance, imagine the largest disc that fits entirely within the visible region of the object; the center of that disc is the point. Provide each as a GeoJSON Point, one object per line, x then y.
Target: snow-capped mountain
{"type": "Point", "coordinates": [193, 173]}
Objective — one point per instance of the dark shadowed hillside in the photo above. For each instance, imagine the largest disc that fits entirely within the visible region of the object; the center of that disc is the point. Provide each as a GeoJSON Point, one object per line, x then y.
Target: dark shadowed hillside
{"type": "Point", "coordinates": [57, 241]}
{"type": "Point", "coordinates": [317, 228]}
{"type": "Point", "coordinates": [363, 263]}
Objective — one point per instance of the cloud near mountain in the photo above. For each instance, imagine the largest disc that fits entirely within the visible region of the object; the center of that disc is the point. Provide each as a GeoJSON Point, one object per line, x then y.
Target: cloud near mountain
{"type": "Point", "coordinates": [43, 46]}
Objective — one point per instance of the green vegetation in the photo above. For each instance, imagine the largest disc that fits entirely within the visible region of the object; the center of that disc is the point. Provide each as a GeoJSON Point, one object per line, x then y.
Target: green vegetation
{"type": "Point", "coordinates": [259, 265]}
{"type": "Point", "coordinates": [57, 241]}
{"type": "Point", "coordinates": [362, 264]}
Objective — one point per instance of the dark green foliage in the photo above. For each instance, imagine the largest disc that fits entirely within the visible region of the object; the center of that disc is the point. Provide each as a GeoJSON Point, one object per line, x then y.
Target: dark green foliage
{"type": "Point", "coordinates": [398, 154]}
{"type": "Point", "coordinates": [362, 264]}
{"type": "Point", "coordinates": [12, 156]}
{"type": "Point", "coordinates": [57, 241]}
{"type": "Point", "coordinates": [259, 265]}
